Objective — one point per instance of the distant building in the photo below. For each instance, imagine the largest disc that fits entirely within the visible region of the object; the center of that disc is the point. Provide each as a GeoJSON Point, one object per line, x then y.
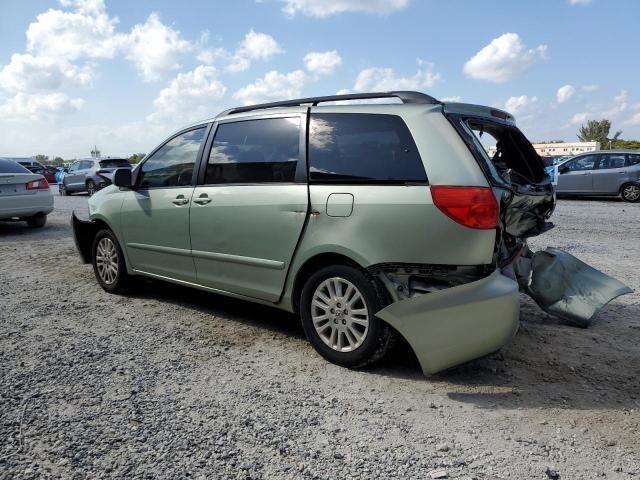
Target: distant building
{"type": "Point", "coordinates": [554, 149]}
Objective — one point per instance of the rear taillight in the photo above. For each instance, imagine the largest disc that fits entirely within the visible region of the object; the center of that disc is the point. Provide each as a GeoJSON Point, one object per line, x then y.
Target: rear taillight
{"type": "Point", "coordinates": [40, 184]}
{"type": "Point", "coordinates": [473, 207]}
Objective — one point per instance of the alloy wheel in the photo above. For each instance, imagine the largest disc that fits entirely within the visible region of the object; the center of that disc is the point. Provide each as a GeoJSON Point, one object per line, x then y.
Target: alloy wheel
{"type": "Point", "coordinates": [107, 260]}
{"type": "Point", "coordinates": [631, 193]}
{"type": "Point", "coordinates": [339, 314]}
{"type": "Point", "coordinates": [91, 188]}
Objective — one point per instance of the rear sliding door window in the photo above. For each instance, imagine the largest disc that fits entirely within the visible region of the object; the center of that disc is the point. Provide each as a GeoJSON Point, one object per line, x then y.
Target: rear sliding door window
{"type": "Point", "coordinates": [362, 148]}
{"type": "Point", "coordinates": [255, 151]}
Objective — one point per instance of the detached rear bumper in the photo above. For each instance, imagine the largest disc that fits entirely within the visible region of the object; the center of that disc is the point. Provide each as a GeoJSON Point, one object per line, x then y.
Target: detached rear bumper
{"type": "Point", "coordinates": [82, 236]}
{"type": "Point", "coordinates": [455, 325]}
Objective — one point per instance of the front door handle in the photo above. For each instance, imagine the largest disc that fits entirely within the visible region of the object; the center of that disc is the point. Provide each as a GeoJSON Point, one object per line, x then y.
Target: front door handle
{"type": "Point", "coordinates": [203, 199]}
{"type": "Point", "coordinates": [180, 200]}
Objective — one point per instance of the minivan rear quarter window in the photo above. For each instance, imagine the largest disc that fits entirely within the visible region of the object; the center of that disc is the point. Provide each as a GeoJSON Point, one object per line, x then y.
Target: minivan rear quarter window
{"type": "Point", "coordinates": [362, 148]}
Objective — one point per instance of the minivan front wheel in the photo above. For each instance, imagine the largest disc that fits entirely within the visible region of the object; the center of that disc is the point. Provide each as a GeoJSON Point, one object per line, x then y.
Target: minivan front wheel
{"type": "Point", "coordinates": [108, 262]}
{"type": "Point", "coordinates": [337, 308]}
{"type": "Point", "coordinates": [630, 192]}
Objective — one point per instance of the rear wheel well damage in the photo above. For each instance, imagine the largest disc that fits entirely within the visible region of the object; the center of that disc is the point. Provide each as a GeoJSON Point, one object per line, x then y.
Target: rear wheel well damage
{"type": "Point", "coordinates": [403, 280]}
{"type": "Point", "coordinates": [311, 266]}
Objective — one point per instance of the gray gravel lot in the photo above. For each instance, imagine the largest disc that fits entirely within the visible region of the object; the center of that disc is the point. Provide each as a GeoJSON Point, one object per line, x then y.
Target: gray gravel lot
{"type": "Point", "coordinates": [173, 383]}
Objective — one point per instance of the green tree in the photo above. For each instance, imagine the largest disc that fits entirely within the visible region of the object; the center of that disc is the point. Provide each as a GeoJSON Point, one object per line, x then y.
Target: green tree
{"type": "Point", "coordinates": [57, 162]}
{"type": "Point", "coordinates": [136, 157]}
{"type": "Point", "coordinates": [626, 144]}
{"type": "Point", "coordinates": [41, 158]}
{"type": "Point", "coordinates": [598, 131]}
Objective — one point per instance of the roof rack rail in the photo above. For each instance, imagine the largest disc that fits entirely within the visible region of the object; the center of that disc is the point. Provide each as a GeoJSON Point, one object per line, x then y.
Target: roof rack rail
{"type": "Point", "coordinates": [407, 97]}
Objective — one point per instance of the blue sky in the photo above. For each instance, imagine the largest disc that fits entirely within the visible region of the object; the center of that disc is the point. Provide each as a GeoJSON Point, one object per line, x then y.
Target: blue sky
{"type": "Point", "coordinates": [123, 75]}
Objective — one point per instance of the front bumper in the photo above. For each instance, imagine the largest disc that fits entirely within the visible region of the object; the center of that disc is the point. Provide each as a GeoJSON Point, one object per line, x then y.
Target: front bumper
{"type": "Point", "coordinates": [82, 236]}
{"type": "Point", "coordinates": [458, 324]}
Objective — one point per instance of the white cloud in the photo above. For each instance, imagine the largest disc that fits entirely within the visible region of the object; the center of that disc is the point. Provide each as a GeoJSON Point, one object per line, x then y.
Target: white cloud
{"type": "Point", "coordinates": [514, 105]}
{"type": "Point", "coordinates": [86, 32]}
{"type": "Point", "coordinates": [503, 59]}
{"type": "Point", "coordinates": [38, 106]}
{"type": "Point", "coordinates": [565, 93]}
{"type": "Point", "coordinates": [26, 72]}
{"type": "Point", "coordinates": [325, 8]}
{"type": "Point", "coordinates": [322, 63]}
{"type": "Point", "coordinates": [580, 2]}
{"type": "Point", "coordinates": [383, 79]}
{"type": "Point", "coordinates": [255, 46]}
{"type": "Point", "coordinates": [153, 47]}
{"type": "Point", "coordinates": [614, 111]}
{"type": "Point", "coordinates": [580, 117]}
{"type": "Point", "coordinates": [454, 98]}
{"type": "Point", "coordinates": [190, 96]}
{"type": "Point", "coordinates": [273, 86]}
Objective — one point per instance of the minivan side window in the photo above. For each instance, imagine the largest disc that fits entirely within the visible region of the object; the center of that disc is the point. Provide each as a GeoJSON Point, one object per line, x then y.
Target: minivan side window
{"type": "Point", "coordinates": [255, 151]}
{"type": "Point", "coordinates": [611, 161]}
{"type": "Point", "coordinates": [362, 148]}
{"type": "Point", "coordinates": [172, 164]}
{"type": "Point", "coordinates": [74, 166]}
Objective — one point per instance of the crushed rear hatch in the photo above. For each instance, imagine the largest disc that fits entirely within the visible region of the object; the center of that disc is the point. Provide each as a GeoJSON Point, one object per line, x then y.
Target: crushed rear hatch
{"type": "Point", "coordinates": [558, 282]}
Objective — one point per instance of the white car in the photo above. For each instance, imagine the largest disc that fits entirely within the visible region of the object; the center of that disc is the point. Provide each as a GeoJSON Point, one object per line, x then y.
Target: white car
{"type": "Point", "coordinates": [24, 195]}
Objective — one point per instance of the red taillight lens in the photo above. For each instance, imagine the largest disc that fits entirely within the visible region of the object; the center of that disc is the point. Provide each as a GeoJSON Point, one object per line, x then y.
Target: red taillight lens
{"type": "Point", "coordinates": [40, 184]}
{"type": "Point", "coordinates": [474, 207]}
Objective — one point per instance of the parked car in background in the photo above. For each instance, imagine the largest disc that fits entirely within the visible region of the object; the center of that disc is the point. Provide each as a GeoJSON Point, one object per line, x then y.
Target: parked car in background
{"type": "Point", "coordinates": [87, 175]}
{"type": "Point", "coordinates": [47, 172]}
{"type": "Point", "coordinates": [601, 173]}
{"type": "Point", "coordinates": [24, 195]}
{"type": "Point", "coordinates": [368, 220]}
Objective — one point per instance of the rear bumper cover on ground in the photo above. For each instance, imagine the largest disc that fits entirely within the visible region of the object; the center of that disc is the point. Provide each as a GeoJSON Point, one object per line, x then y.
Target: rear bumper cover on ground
{"type": "Point", "coordinates": [458, 324]}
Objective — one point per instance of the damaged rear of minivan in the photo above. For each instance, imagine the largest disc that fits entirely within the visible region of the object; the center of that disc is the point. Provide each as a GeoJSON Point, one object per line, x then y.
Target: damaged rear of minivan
{"type": "Point", "coordinates": [470, 313]}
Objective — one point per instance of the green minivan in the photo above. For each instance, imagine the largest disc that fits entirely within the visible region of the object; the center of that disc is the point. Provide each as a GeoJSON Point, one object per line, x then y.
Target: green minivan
{"type": "Point", "coordinates": [369, 220]}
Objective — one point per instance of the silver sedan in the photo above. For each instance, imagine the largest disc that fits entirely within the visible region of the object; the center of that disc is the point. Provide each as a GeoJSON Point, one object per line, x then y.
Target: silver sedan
{"type": "Point", "coordinates": [24, 195]}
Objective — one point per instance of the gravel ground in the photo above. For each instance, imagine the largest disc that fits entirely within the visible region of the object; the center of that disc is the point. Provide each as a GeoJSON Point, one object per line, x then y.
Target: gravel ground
{"type": "Point", "coordinates": [173, 383]}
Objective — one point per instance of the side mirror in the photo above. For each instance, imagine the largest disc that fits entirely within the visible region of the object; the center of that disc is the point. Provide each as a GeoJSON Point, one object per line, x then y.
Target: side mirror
{"type": "Point", "coordinates": [65, 170]}
{"type": "Point", "coordinates": [563, 169]}
{"type": "Point", "coordinates": [122, 178]}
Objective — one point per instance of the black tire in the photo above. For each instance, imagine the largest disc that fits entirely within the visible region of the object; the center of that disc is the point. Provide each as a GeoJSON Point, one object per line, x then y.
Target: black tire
{"type": "Point", "coordinates": [379, 336]}
{"type": "Point", "coordinates": [37, 221]}
{"type": "Point", "coordinates": [91, 187]}
{"type": "Point", "coordinates": [121, 279]}
{"type": "Point", "coordinates": [64, 190]}
{"type": "Point", "coordinates": [630, 192]}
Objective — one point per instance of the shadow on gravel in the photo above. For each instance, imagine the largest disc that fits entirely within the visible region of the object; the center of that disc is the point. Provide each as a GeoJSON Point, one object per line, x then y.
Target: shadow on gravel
{"type": "Point", "coordinates": [547, 365]}
{"type": "Point", "coordinates": [552, 365]}
{"type": "Point", "coordinates": [21, 229]}
{"type": "Point", "coordinates": [231, 309]}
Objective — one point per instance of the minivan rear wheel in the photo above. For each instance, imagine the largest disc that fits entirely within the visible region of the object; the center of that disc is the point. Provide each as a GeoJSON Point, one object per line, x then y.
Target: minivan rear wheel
{"type": "Point", "coordinates": [630, 192]}
{"type": "Point", "coordinates": [108, 262]}
{"type": "Point", "coordinates": [337, 307]}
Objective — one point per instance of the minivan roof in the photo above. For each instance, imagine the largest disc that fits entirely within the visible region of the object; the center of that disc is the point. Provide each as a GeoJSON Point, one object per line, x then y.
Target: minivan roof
{"type": "Point", "coordinates": [408, 98]}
